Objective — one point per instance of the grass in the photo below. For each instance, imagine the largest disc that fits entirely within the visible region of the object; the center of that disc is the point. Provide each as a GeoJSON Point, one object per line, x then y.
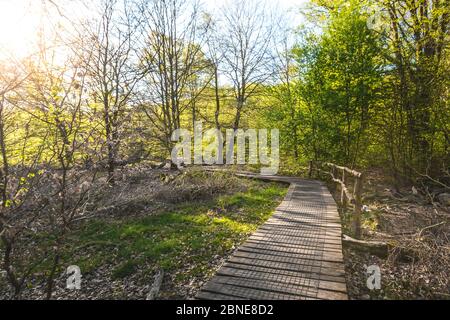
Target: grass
{"type": "Point", "coordinates": [183, 241]}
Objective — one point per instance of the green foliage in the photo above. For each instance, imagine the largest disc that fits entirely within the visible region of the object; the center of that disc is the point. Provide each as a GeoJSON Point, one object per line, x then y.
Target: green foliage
{"type": "Point", "coordinates": [124, 270]}
{"type": "Point", "coordinates": [342, 98]}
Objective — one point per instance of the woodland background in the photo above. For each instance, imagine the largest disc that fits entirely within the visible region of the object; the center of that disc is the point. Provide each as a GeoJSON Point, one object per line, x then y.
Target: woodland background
{"type": "Point", "coordinates": [363, 84]}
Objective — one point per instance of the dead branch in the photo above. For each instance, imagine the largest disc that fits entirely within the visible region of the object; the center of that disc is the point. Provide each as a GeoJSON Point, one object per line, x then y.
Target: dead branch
{"type": "Point", "coordinates": [377, 248]}
{"type": "Point", "coordinates": [156, 286]}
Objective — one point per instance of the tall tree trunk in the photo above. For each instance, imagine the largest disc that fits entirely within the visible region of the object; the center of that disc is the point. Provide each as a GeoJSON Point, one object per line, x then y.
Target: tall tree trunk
{"type": "Point", "coordinates": [216, 92]}
{"type": "Point", "coordinates": [109, 145]}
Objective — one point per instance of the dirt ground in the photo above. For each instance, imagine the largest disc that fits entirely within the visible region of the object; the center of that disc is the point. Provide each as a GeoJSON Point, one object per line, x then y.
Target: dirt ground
{"type": "Point", "coordinates": [410, 220]}
{"type": "Point", "coordinates": [185, 223]}
{"type": "Point", "coordinates": [416, 228]}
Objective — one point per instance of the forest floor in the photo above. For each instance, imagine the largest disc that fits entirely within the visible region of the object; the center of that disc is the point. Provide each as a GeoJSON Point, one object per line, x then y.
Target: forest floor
{"type": "Point", "coordinates": [416, 228]}
{"type": "Point", "coordinates": [186, 224]}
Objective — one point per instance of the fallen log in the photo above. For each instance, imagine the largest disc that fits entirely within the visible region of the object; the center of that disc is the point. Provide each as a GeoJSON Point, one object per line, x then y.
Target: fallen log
{"type": "Point", "coordinates": [376, 248]}
{"type": "Point", "coordinates": [382, 249]}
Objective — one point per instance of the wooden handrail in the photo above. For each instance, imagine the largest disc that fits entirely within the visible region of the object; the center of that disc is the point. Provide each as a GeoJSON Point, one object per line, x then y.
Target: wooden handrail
{"type": "Point", "coordinates": [347, 196]}
{"type": "Point", "coordinates": [354, 173]}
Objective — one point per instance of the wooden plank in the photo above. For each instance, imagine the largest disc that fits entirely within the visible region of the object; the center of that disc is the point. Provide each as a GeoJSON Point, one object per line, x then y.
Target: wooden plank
{"type": "Point", "coordinates": [288, 280]}
{"type": "Point", "coordinates": [318, 269]}
{"type": "Point", "coordinates": [297, 291]}
{"type": "Point", "coordinates": [247, 293]}
{"type": "Point", "coordinates": [289, 260]}
{"type": "Point", "coordinates": [285, 244]}
{"type": "Point", "coordinates": [308, 238]}
{"type": "Point", "coordinates": [299, 253]}
{"type": "Point", "coordinates": [310, 246]}
{"type": "Point", "coordinates": [289, 273]}
{"type": "Point", "coordinates": [331, 295]}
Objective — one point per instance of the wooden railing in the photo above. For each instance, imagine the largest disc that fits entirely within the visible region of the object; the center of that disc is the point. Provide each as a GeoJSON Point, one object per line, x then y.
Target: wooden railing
{"type": "Point", "coordinates": [347, 196]}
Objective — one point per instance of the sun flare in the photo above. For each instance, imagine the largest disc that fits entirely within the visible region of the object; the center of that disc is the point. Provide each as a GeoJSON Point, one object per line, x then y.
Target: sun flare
{"type": "Point", "coordinates": [19, 24]}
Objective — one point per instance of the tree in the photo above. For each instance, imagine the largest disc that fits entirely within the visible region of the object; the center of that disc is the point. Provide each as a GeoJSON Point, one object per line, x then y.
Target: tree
{"type": "Point", "coordinates": [417, 46]}
{"type": "Point", "coordinates": [112, 56]}
{"type": "Point", "coordinates": [215, 56]}
{"type": "Point", "coordinates": [173, 63]}
{"type": "Point", "coordinates": [340, 76]}
{"type": "Point", "coordinates": [247, 30]}
{"type": "Point", "coordinates": [45, 189]}
{"type": "Point", "coordinates": [285, 110]}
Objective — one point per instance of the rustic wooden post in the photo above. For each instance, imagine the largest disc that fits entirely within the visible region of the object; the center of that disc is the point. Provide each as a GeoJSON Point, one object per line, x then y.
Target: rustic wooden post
{"type": "Point", "coordinates": [343, 195]}
{"type": "Point", "coordinates": [310, 169]}
{"type": "Point", "coordinates": [358, 206]}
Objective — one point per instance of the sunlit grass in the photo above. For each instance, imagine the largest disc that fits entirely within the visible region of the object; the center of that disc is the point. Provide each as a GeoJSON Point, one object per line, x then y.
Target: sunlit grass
{"type": "Point", "coordinates": [192, 234]}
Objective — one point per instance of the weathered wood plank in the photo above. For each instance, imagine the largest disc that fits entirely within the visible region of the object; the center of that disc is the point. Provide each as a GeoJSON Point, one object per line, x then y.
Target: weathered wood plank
{"type": "Point", "coordinates": [247, 293]}
{"type": "Point", "coordinates": [298, 253]}
{"type": "Point", "coordinates": [277, 278]}
{"type": "Point", "coordinates": [296, 290]}
{"type": "Point", "coordinates": [287, 273]}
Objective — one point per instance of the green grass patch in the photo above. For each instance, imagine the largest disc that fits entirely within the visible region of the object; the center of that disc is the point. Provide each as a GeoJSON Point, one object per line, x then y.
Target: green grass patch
{"type": "Point", "coordinates": [189, 235]}
{"type": "Point", "coordinates": [123, 270]}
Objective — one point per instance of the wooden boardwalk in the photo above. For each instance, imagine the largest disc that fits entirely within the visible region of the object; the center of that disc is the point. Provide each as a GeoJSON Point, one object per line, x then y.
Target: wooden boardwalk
{"type": "Point", "coordinates": [295, 255]}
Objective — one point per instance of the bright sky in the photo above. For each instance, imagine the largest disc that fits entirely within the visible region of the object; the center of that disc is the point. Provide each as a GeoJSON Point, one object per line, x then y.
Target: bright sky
{"type": "Point", "coordinates": [293, 6]}
{"type": "Point", "coordinates": [285, 4]}
{"type": "Point", "coordinates": [20, 20]}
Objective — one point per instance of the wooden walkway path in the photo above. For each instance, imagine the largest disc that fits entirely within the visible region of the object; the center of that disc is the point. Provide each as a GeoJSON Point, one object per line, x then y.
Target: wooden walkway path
{"type": "Point", "coordinates": [295, 255]}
